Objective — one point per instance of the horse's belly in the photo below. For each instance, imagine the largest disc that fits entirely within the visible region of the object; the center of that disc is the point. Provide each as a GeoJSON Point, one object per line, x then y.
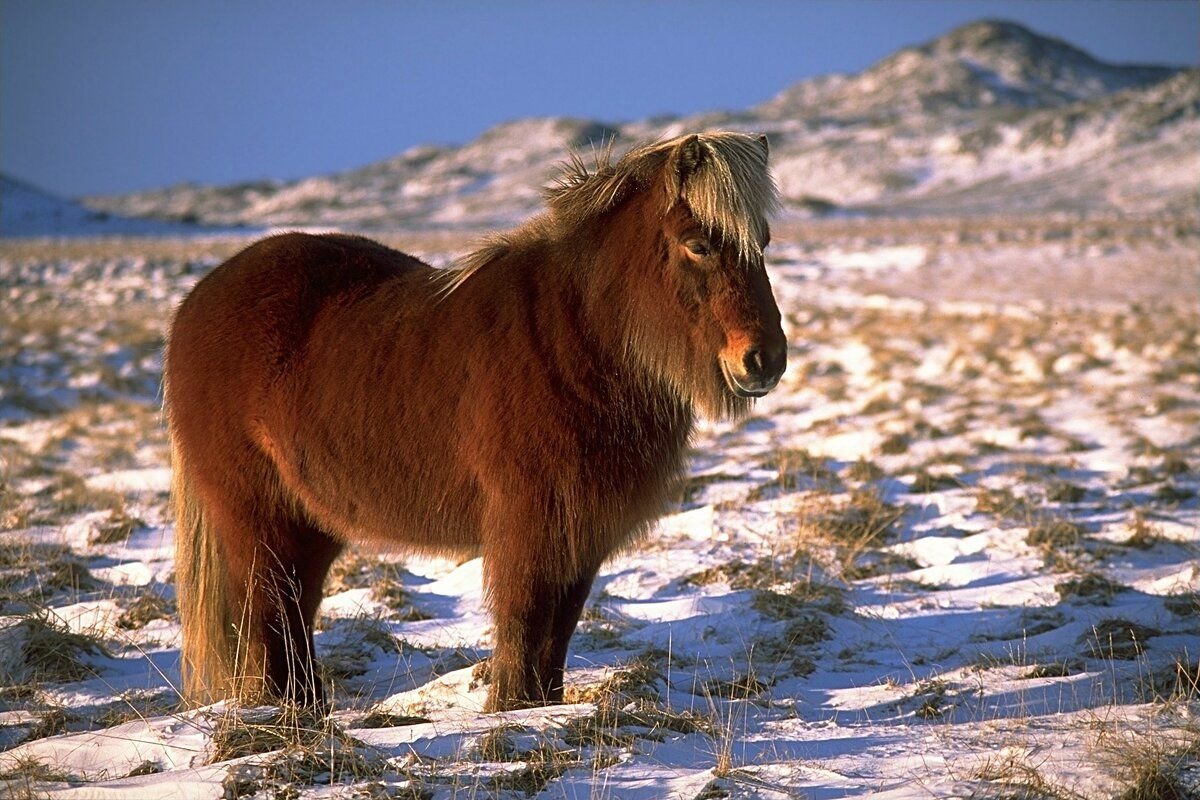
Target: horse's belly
{"type": "Point", "coordinates": [361, 495]}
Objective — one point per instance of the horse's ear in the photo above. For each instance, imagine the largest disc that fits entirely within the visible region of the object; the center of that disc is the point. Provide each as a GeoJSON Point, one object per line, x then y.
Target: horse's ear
{"type": "Point", "coordinates": [687, 158]}
{"type": "Point", "coordinates": [762, 139]}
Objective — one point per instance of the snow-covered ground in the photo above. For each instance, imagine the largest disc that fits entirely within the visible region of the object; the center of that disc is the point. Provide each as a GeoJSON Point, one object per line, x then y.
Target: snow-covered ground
{"type": "Point", "coordinates": [953, 555]}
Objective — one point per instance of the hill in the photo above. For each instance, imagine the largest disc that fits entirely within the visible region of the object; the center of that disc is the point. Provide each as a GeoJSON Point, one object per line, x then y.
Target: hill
{"type": "Point", "coordinates": [991, 118]}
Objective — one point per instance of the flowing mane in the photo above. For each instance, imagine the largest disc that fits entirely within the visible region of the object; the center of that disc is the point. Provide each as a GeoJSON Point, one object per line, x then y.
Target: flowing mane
{"type": "Point", "coordinates": [730, 193]}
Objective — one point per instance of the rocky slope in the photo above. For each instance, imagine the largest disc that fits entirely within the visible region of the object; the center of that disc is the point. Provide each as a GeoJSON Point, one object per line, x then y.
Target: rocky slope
{"type": "Point", "coordinates": [990, 118]}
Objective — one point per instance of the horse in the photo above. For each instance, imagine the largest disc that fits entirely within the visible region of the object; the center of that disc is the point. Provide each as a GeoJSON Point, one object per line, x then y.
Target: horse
{"type": "Point", "coordinates": [531, 404]}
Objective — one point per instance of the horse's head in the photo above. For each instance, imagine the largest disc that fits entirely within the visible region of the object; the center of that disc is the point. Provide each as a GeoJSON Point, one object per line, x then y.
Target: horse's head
{"type": "Point", "coordinates": [713, 232]}
{"type": "Point", "coordinates": [682, 225]}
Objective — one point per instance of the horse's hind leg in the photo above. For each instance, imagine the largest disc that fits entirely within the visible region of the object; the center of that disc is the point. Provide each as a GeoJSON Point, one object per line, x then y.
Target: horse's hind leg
{"type": "Point", "coordinates": [294, 572]}
{"type": "Point", "coordinates": [276, 567]}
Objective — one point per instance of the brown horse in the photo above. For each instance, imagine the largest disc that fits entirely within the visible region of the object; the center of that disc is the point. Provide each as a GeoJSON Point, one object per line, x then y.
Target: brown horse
{"type": "Point", "coordinates": [532, 406]}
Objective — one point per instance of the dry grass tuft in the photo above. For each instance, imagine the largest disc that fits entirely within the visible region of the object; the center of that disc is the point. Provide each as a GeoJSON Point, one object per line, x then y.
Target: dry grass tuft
{"type": "Point", "coordinates": [1054, 534]}
{"type": "Point", "coordinates": [1164, 765]}
{"type": "Point", "coordinates": [25, 779]}
{"type": "Point", "coordinates": [246, 732]}
{"type": "Point", "coordinates": [383, 577]}
{"type": "Point", "coordinates": [69, 494]}
{"type": "Point", "coordinates": [740, 687]}
{"type": "Point", "coordinates": [1145, 535]}
{"type": "Point", "coordinates": [795, 465]}
{"type": "Point", "coordinates": [1090, 587]}
{"type": "Point", "coordinates": [1001, 503]}
{"type": "Point", "coordinates": [51, 652]}
{"type": "Point", "coordinates": [360, 636]}
{"type": "Point", "coordinates": [1019, 779]}
{"type": "Point", "coordinates": [30, 573]}
{"type": "Point", "coordinates": [929, 699]}
{"type": "Point", "coordinates": [301, 748]}
{"type": "Point", "coordinates": [117, 528]}
{"type": "Point", "coordinates": [1183, 604]}
{"type": "Point", "coordinates": [1118, 639]}
{"type": "Point", "coordinates": [1060, 542]}
{"type": "Point", "coordinates": [639, 680]}
{"type": "Point", "coordinates": [540, 766]}
{"type": "Point", "coordinates": [864, 519]}
{"type": "Point", "coordinates": [1053, 669]}
{"type": "Point", "coordinates": [756, 574]}
{"type": "Point", "coordinates": [864, 471]}
{"type": "Point", "coordinates": [149, 606]}
{"type": "Point", "coordinates": [387, 719]}
{"type": "Point", "coordinates": [853, 529]}
{"type": "Point", "coordinates": [1176, 681]}
{"type": "Point", "coordinates": [803, 599]}
{"type": "Point", "coordinates": [1060, 491]}
{"type": "Point", "coordinates": [52, 722]}
{"type": "Point", "coordinates": [1172, 495]}
{"type": "Point", "coordinates": [925, 482]}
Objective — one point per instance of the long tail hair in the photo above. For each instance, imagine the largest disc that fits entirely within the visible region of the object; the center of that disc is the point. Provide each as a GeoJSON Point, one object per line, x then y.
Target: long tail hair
{"type": "Point", "coordinates": [209, 649]}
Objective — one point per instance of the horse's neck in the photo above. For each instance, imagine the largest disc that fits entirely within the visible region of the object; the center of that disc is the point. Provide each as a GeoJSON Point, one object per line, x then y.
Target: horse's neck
{"type": "Point", "coordinates": [608, 285]}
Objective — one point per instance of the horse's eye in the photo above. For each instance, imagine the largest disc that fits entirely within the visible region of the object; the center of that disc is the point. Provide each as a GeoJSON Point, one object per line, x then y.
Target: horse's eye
{"type": "Point", "coordinates": [699, 247]}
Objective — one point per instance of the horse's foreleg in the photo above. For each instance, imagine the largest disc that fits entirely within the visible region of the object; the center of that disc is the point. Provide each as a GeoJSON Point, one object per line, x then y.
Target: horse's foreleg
{"type": "Point", "coordinates": [535, 615]}
{"type": "Point", "coordinates": [566, 617]}
{"type": "Point", "coordinates": [523, 608]}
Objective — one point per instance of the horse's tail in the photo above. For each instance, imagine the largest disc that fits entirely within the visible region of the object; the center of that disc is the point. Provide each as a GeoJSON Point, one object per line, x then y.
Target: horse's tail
{"type": "Point", "coordinates": [202, 594]}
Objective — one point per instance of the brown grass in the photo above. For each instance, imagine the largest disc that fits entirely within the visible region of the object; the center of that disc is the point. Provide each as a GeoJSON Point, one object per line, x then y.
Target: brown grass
{"type": "Point", "coordinates": [25, 779]}
{"type": "Point", "coordinates": [1118, 639]}
{"type": "Point", "coordinates": [150, 605]}
{"type": "Point", "coordinates": [1020, 779]}
{"type": "Point", "coordinates": [638, 680]}
{"type": "Point", "coordinates": [52, 653]}
{"type": "Point", "coordinates": [300, 748]}
{"type": "Point", "coordinates": [1091, 587]}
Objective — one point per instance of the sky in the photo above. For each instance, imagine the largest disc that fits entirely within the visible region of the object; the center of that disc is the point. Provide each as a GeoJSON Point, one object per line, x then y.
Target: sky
{"type": "Point", "coordinates": [115, 96]}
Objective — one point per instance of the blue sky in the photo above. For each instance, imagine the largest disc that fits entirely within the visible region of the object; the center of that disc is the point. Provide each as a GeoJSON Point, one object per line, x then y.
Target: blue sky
{"type": "Point", "coordinates": [112, 96]}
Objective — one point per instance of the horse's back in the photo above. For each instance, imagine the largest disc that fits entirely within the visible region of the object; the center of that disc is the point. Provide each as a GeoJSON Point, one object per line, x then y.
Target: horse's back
{"type": "Point", "coordinates": [264, 299]}
{"type": "Point", "coordinates": [245, 324]}
{"type": "Point", "coordinates": [293, 274]}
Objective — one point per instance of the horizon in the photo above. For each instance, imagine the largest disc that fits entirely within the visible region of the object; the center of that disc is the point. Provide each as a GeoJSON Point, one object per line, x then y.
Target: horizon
{"type": "Point", "coordinates": [137, 96]}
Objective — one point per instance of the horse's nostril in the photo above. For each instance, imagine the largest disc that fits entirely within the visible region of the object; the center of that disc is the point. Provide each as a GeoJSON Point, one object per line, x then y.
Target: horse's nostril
{"type": "Point", "coordinates": [753, 362]}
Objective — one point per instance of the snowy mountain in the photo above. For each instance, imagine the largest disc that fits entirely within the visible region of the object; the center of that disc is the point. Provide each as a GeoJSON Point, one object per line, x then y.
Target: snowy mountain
{"type": "Point", "coordinates": [28, 211]}
{"type": "Point", "coordinates": [990, 118]}
{"type": "Point", "coordinates": [985, 64]}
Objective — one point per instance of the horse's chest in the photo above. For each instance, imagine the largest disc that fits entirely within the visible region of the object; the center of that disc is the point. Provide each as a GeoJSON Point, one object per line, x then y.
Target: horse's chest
{"type": "Point", "coordinates": [632, 458]}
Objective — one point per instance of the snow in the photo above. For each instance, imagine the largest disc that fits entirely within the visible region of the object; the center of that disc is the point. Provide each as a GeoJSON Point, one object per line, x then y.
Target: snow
{"type": "Point", "coordinates": [921, 679]}
{"type": "Point", "coordinates": [152, 479]}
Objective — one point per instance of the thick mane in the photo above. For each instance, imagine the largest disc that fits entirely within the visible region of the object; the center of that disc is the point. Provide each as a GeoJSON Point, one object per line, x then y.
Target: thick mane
{"type": "Point", "coordinates": [491, 248]}
{"type": "Point", "coordinates": [730, 193]}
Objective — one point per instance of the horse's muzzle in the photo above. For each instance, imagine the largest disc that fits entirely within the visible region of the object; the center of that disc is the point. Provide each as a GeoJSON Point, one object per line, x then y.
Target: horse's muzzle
{"type": "Point", "coordinates": [758, 372]}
